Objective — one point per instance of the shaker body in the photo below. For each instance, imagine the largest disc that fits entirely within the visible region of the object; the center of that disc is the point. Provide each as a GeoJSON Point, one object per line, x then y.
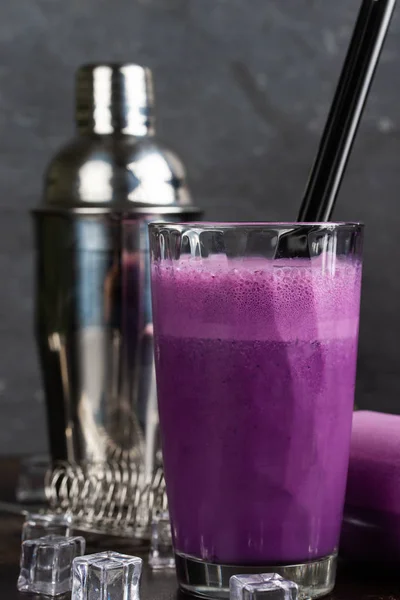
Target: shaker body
{"type": "Point", "coordinates": [95, 338]}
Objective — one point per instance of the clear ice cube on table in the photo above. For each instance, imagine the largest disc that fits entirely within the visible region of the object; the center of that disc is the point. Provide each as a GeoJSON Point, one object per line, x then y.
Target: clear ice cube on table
{"type": "Point", "coordinates": [37, 526]}
{"type": "Point", "coordinates": [106, 576]}
{"type": "Point", "coordinates": [46, 564]}
{"type": "Point", "coordinates": [161, 550]}
{"type": "Point", "coordinates": [269, 586]}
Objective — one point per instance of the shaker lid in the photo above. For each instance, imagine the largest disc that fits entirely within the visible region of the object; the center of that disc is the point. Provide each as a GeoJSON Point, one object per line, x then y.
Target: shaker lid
{"type": "Point", "coordinates": [116, 164]}
{"type": "Point", "coordinates": [113, 97]}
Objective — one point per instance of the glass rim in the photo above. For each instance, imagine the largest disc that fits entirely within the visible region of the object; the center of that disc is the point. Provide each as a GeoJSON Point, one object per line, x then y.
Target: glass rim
{"type": "Point", "coordinates": [210, 225]}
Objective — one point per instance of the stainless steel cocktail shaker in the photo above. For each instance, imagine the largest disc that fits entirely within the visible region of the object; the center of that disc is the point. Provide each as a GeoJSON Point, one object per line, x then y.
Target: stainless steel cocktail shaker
{"type": "Point", "coordinates": [93, 311]}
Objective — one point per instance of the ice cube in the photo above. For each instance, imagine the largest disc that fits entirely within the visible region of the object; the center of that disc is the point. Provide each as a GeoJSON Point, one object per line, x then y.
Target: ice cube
{"type": "Point", "coordinates": [269, 586]}
{"type": "Point", "coordinates": [38, 525]}
{"type": "Point", "coordinates": [161, 550]}
{"type": "Point", "coordinates": [106, 575]}
{"type": "Point", "coordinates": [46, 563]}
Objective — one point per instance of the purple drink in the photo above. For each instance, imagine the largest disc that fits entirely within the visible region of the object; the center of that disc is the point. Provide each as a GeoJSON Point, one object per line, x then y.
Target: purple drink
{"type": "Point", "coordinates": [256, 362]}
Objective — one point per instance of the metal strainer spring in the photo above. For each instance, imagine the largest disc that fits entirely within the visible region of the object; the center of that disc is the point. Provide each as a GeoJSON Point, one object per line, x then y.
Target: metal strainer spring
{"type": "Point", "coordinates": [113, 497]}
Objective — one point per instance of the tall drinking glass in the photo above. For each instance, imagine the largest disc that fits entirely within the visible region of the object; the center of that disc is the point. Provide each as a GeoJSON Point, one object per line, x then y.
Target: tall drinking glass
{"type": "Point", "coordinates": [256, 330]}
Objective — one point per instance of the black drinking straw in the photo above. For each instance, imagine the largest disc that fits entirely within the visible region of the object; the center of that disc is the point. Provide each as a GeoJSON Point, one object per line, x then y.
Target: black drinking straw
{"type": "Point", "coordinates": [346, 111]}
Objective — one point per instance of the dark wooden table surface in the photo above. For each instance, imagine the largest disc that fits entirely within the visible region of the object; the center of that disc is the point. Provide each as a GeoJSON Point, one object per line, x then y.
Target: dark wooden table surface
{"type": "Point", "coordinates": [366, 583]}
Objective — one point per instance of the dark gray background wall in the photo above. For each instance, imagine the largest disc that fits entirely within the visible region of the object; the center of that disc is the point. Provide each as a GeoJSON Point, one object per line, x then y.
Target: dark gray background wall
{"type": "Point", "coordinates": [243, 88]}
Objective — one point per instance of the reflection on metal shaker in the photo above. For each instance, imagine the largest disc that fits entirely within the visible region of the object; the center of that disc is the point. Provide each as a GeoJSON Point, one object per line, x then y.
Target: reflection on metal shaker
{"type": "Point", "coordinates": [93, 308]}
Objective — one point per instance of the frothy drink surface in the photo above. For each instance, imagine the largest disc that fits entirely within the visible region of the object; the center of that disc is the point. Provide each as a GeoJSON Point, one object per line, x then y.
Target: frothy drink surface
{"type": "Point", "coordinates": [256, 370]}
